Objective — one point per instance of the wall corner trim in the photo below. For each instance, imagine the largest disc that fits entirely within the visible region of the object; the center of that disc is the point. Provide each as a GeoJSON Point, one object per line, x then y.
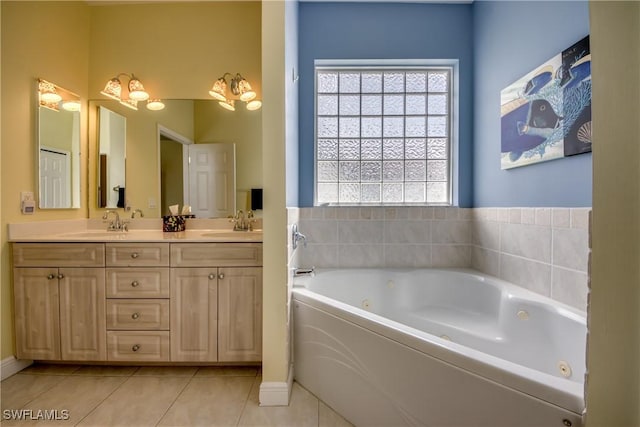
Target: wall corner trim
{"type": "Point", "coordinates": [274, 393]}
{"type": "Point", "coordinates": [11, 366]}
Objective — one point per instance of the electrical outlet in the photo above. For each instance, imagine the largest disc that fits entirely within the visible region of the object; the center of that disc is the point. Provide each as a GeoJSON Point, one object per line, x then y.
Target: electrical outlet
{"type": "Point", "coordinates": [152, 203]}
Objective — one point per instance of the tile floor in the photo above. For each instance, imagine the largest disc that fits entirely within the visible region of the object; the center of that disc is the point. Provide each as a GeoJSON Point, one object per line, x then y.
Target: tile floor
{"type": "Point", "coordinates": [155, 396]}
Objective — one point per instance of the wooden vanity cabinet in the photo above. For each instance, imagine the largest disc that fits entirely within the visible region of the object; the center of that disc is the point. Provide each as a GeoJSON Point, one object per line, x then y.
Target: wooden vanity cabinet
{"type": "Point", "coordinates": [59, 294]}
{"type": "Point", "coordinates": [216, 302]}
{"type": "Point", "coordinates": [240, 314]}
{"type": "Point", "coordinates": [194, 314]}
{"type": "Point", "coordinates": [138, 302]}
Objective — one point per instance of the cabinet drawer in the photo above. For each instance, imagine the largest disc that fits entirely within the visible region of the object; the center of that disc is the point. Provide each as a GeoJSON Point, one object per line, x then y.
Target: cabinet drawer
{"type": "Point", "coordinates": [58, 254]}
{"type": "Point", "coordinates": [148, 346]}
{"type": "Point", "coordinates": [137, 254]}
{"type": "Point", "coordinates": [216, 254]}
{"type": "Point", "coordinates": [138, 314]}
{"type": "Point", "coordinates": [143, 282]}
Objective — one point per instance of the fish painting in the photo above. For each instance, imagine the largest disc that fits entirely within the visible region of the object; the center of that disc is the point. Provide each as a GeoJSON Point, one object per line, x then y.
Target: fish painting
{"type": "Point", "coordinates": [543, 114]}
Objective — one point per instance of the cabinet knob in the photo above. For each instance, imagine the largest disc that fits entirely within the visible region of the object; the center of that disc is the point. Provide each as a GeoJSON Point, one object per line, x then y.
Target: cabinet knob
{"type": "Point", "coordinates": [212, 276]}
{"type": "Point", "coordinates": [136, 347]}
{"type": "Point", "coordinates": [135, 255]}
{"type": "Point", "coordinates": [221, 276]}
{"type": "Point", "coordinates": [134, 284]}
{"type": "Point", "coordinates": [60, 276]}
{"type": "Point", "coordinates": [51, 276]}
{"type": "Point", "coordinates": [135, 315]}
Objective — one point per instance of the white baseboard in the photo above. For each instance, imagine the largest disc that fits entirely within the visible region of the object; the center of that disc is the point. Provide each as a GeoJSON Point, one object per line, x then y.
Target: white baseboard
{"type": "Point", "coordinates": [275, 393]}
{"type": "Point", "coordinates": [11, 365]}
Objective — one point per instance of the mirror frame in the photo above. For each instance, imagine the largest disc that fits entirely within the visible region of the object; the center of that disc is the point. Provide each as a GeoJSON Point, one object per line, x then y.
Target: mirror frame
{"type": "Point", "coordinates": [69, 103]}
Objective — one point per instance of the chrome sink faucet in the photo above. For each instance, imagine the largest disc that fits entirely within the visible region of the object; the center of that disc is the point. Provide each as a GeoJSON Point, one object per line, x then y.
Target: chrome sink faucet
{"type": "Point", "coordinates": [116, 224]}
{"type": "Point", "coordinates": [137, 211]}
{"type": "Point", "coordinates": [242, 222]}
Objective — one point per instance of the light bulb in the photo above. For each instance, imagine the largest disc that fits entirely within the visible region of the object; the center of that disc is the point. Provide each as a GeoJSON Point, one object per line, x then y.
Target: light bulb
{"type": "Point", "coordinates": [155, 105]}
{"type": "Point", "coordinates": [254, 105]}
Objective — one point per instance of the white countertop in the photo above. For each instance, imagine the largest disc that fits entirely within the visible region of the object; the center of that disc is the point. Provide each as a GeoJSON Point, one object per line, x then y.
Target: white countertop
{"type": "Point", "coordinates": [140, 230]}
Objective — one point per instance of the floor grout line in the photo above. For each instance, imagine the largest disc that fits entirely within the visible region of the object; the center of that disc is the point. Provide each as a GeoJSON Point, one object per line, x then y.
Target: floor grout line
{"type": "Point", "coordinates": [105, 398]}
{"type": "Point", "coordinates": [246, 400]}
{"type": "Point", "coordinates": [164, 414]}
{"type": "Point", "coordinates": [246, 406]}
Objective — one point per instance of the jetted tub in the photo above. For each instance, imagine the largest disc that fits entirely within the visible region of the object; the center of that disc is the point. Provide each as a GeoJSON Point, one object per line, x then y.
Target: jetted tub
{"type": "Point", "coordinates": [437, 347]}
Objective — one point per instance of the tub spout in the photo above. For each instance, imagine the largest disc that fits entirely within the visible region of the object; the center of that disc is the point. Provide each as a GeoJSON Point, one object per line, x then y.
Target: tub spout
{"type": "Point", "coordinates": [303, 271]}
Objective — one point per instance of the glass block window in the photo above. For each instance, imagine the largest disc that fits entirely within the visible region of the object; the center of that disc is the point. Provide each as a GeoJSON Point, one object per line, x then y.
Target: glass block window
{"type": "Point", "coordinates": [383, 135]}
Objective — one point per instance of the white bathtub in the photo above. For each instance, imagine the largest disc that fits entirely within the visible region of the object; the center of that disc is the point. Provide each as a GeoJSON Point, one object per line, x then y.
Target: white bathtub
{"type": "Point", "coordinates": [392, 347]}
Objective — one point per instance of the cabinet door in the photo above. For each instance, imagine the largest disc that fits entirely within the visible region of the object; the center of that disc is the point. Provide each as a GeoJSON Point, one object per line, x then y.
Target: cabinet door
{"type": "Point", "coordinates": [240, 314]}
{"type": "Point", "coordinates": [194, 314]}
{"type": "Point", "coordinates": [82, 314]}
{"type": "Point", "coordinates": [36, 313]}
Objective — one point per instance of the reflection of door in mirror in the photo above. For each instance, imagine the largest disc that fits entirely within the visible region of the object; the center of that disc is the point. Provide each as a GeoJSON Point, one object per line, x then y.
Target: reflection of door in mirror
{"type": "Point", "coordinates": [59, 152]}
{"type": "Point", "coordinates": [200, 175]}
{"type": "Point", "coordinates": [55, 174]}
{"type": "Point", "coordinates": [212, 180]}
{"type": "Point", "coordinates": [112, 158]}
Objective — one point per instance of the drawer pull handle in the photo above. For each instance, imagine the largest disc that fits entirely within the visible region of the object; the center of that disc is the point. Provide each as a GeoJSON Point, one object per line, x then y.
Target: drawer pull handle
{"type": "Point", "coordinates": [60, 276]}
{"type": "Point", "coordinates": [212, 276]}
{"type": "Point", "coordinates": [51, 276]}
{"type": "Point", "coordinates": [221, 276]}
{"type": "Point", "coordinates": [134, 284]}
{"type": "Point", "coordinates": [135, 316]}
{"type": "Point", "coordinates": [135, 347]}
{"type": "Point", "coordinates": [135, 255]}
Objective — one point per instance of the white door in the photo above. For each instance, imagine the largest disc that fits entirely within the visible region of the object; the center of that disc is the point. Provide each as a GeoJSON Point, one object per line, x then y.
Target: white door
{"type": "Point", "coordinates": [212, 180]}
{"type": "Point", "coordinates": [55, 190]}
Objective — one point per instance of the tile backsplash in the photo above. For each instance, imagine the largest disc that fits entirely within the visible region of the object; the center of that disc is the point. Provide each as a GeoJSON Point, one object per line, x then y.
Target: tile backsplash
{"type": "Point", "coordinates": [386, 237]}
{"type": "Point", "coordinates": [542, 249]}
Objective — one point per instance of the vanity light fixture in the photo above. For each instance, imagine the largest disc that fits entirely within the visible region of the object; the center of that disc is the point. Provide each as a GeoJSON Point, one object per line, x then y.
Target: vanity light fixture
{"type": "Point", "coordinates": [155, 104]}
{"type": "Point", "coordinates": [53, 97]}
{"type": "Point", "coordinates": [48, 93]}
{"type": "Point", "coordinates": [240, 88]}
{"type": "Point", "coordinates": [71, 105]}
{"type": "Point", "coordinates": [113, 90]}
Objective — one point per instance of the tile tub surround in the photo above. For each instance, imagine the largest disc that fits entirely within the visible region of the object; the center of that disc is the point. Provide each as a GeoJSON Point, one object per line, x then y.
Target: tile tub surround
{"type": "Point", "coordinates": [386, 237]}
{"type": "Point", "coordinates": [542, 249]}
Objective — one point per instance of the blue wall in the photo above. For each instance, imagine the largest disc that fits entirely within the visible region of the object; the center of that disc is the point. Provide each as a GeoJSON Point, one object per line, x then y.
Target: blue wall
{"type": "Point", "coordinates": [384, 31]}
{"type": "Point", "coordinates": [510, 40]}
{"type": "Point", "coordinates": [497, 42]}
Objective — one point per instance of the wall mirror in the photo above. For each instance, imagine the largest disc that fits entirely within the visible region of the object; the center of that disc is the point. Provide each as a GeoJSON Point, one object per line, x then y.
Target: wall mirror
{"type": "Point", "coordinates": [158, 147]}
{"type": "Point", "coordinates": [58, 144]}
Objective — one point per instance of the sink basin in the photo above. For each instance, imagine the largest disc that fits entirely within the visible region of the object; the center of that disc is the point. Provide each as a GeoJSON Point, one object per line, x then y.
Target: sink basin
{"type": "Point", "coordinates": [96, 234]}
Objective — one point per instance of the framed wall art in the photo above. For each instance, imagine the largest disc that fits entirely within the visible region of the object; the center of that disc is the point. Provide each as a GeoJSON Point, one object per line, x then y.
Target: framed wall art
{"type": "Point", "coordinates": [546, 114]}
